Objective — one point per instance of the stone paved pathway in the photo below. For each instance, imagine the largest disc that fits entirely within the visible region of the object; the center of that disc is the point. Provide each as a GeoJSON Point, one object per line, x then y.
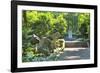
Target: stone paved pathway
{"type": "Point", "coordinates": [75, 54]}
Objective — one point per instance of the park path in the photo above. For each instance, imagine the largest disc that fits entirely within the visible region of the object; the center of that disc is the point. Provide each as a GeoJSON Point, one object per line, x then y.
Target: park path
{"type": "Point", "coordinates": [75, 54]}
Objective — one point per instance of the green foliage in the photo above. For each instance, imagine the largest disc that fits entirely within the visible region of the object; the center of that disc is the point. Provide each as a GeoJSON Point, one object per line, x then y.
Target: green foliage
{"type": "Point", "coordinates": [84, 24]}
{"type": "Point", "coordinates": [37, 58]}
{"type": "Point", "coordinates": [44, 23]}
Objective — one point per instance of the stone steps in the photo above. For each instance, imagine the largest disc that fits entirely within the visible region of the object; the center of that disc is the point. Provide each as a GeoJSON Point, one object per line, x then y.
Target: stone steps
{"type": "Point", "coordinates": [75, 44]}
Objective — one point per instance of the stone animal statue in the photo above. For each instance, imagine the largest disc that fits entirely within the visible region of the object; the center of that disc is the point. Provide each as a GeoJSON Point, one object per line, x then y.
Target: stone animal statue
{"type": "Point", "coordinates": [46, 45]}
{"type": "Point", "coordinates": [35, 39]}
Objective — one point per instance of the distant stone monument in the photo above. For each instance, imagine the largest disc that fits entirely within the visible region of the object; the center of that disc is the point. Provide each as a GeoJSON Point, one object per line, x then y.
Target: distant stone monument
{"type": "Point", "coordinates": [72, 26]}
{"type": "Point", "coordinates": [70, 34]}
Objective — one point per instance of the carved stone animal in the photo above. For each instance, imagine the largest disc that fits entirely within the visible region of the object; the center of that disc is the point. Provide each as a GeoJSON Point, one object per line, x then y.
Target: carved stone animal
{"type": "Point", "coordinates": [46, 45]}
{"type": "Point", "coordinates": [35, 39]}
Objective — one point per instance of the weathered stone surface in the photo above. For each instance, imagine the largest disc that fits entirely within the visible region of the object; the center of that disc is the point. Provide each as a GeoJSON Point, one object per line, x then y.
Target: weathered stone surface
{"type": "Point", "coordinates": [71, 44]}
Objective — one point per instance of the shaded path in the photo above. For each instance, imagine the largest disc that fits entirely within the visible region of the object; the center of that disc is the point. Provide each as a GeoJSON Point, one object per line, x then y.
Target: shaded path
{"type": "Point", "coordinates": [75, 54]}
